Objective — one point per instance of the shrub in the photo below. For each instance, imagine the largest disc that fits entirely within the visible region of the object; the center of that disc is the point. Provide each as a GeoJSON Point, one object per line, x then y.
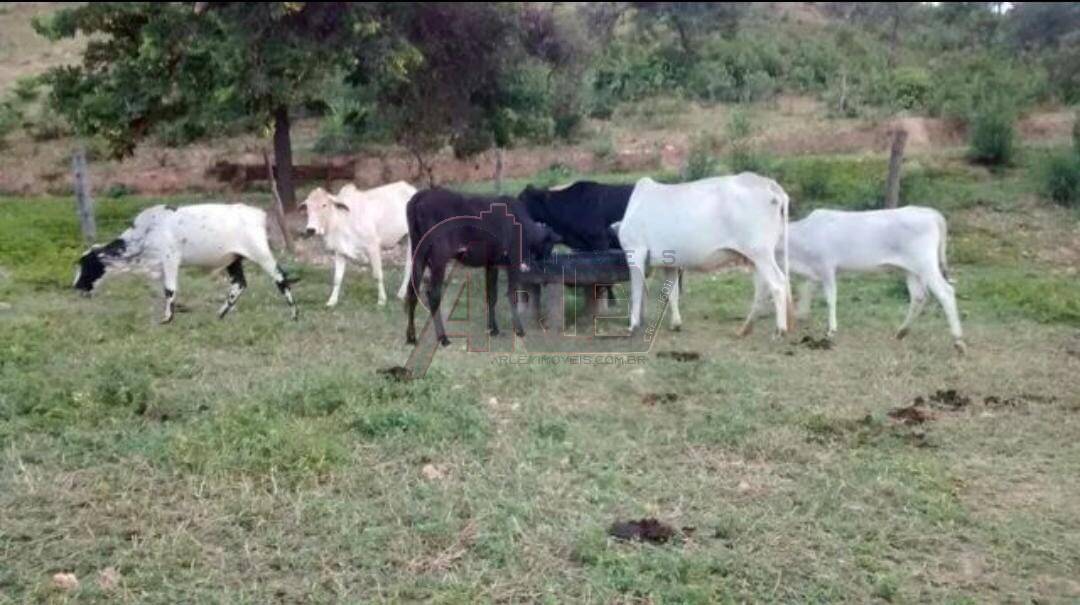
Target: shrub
{"type": "Point", "coordinates": [992, 138]}
{"type": "Point", "coordinates": [26, 89]}
{"type": "Point", "coordinates": [700, 161]}
{"type": "Point", "coordinates": [117, 190]}
{"type": "Point", "coordinates": [9, 118]}
{"type": "Point", "coordinates": [47, 125]}
{"type": "Point", "coordinates": [553, 175]}
{"type": "Point", "coordinates": [911, 88]}
{"type": "Point", "coordinates": [602, 147]}
{"type": "Point", "coordinates": [1076, 133]}
{"type": "Point", "coordinates": [1061, 179]}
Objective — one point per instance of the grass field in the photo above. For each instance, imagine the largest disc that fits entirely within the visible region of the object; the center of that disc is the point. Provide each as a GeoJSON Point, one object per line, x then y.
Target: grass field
{"type": "Point", "coordinates": [258, 460]}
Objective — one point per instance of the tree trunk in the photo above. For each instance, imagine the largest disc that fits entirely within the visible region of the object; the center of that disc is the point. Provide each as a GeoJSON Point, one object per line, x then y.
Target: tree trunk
{"type": "Point", "coordinates": [894, 37]}
{"type": "Point", "coordinates": [498, 171]}
{"type": "Point", "coordinates": [278, 210]}
{"type": "Point", "coordinates": [896, 157]}
{"type": "Point", "coordinates": [84, 204]}
{"type": "Point", "coordinates": [283, 158]}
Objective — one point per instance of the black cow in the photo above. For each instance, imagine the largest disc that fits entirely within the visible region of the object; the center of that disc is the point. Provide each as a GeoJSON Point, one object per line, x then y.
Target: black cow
{"type": "Point", "coordinates": [489, 232]}
{"type": "Point", "coordinates": [580, 213]}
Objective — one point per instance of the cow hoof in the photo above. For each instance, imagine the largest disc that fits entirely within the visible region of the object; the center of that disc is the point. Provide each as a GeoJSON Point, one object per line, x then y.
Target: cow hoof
{"type": "Point", "coordinates": [677, 328]}
{"type": "Point", "coordinates": [744, 331]}
{"type": "Point", "coordinates": [166, 320]}
{"type": "Point", "coordinates": [961, 348]}
{"type": "Point", "coordinates": [901, 333]}
{"type": "Point", "coordinates": [410, 340]}
{"type": "Point", "coordinates": [493, 332]}
{"type": "Point", "coordinates": [382, 303]}
{"type": "Point", "coordinates": [444, 341]}
{"type": "Point", "coordinates": [520, 333]}
{"type": "Point", "coordinates": [330, 304]}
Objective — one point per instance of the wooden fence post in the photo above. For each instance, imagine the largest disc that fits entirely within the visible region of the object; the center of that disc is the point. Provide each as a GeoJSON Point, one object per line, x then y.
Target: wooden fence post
{"type": "Point", "coordinates": [277, 208]}
{"type": "Point", "coordinates": [896, 158]}
{"type": "Point", "coordinates": [84, 204]}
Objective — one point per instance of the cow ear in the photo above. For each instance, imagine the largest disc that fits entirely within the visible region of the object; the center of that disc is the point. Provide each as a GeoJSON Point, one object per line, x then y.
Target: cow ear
{"type": "Point", "coordinates": [341, 206]}
{"type": "Point", "coordinates": [302, 205]}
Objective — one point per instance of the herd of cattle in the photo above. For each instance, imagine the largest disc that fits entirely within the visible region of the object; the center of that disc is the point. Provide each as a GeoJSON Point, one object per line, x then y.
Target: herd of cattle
{"type": "Point", "coordinates": [700, 225]}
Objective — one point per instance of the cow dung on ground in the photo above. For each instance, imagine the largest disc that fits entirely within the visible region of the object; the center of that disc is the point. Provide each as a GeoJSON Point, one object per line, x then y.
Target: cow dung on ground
{"type": "Point", "coordinates": [651, 399]}
{"type": "Point", "coordinates": [951, 399]}
{"type": "Point", "coordinates": [912, 414]}
{"type": "Point", "coordinates": [647, 530]}
{"type": "Point", "coordinates": [399, 373]}
{"type": "Point", "coordinates": [817, 344]}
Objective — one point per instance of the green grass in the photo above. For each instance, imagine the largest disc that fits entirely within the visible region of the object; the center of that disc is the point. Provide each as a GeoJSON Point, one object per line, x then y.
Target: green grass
{"type": "Point", "coordinates": [255, 459]}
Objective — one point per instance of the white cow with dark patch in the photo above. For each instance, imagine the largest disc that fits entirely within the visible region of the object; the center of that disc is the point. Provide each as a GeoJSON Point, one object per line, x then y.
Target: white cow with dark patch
{"type": "Point", "coordinates": [355, 225]}
{"type": "Point", "coordinates": [705, 225]}
{"type": "Point", "coordinates": [161, 239]}
{"type": "Point", "coordinates": [912, 239]}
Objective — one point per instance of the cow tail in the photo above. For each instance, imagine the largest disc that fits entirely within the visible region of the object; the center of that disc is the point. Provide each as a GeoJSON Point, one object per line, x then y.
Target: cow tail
{"type": "Point", "coordinates": [785, 215]}
{"type": "Point", "coordinates": [942, 241]}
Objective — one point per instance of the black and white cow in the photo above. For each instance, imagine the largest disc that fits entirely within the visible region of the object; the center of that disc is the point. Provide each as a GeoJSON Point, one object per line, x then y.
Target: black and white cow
{"type": "Point", "coordinates": [161, 239]}
{"type": "Point", "coordinates": [476, 231]}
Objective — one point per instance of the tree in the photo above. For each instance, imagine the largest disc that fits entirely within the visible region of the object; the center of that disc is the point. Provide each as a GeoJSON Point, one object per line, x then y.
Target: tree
{"type": "Point", "coordinates": [691, 21]}
{"type": "Point", "coordinates": [467, 80]}
{"type": "Point", "coordinates": [190, 72]}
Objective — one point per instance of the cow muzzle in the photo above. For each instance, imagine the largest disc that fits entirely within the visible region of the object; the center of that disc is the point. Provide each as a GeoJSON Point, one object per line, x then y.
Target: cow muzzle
{"type": "Point", "coordinates": [523, 267]}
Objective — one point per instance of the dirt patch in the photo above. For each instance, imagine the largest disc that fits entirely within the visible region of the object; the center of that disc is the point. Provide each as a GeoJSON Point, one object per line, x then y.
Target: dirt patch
{"type": "Point", "coordinates": [642, 530]}
{"type": "Point", "coordinates": [912, 414]}
{"type": "Point", "coordinates": [680, 355]}
{"type": "Point", "coordinates": [651, 399]}
{"type": "Point", "coordinates": [398, 373]}
{"type": "Point", "coordinates": [817, 344]}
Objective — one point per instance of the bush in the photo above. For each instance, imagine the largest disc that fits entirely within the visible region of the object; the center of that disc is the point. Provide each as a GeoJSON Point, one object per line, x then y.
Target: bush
{"type": "Point", "coordinates": [9, 119]}
{"type": "Point", "coordinates": [553, 175]}
{"type": "Point", "coordinates": [47, 125]}
{"type": "Point", "coordinates": [911, 88]}
{"type": "Point", "coordinates": [1061, 179]}
{"type": "Point", "coordinates": [26, 89]}
{"type": "Point", "coordinates": [700, 162]}
{"type": "Point", "coordinates": [992, 138]}
{"type": "Point", "coordinates": [1076, 133]}
{"type": "Point", "coordinates": [117, 190]}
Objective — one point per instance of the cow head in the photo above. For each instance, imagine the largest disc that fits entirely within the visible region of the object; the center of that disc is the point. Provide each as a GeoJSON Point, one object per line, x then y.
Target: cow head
{"type": "Point", "coordinates": [93, 264]}
{"type": "Point", "coordinates": [320, 206]}
{"type": "Point", "coordinates": [532, 197]}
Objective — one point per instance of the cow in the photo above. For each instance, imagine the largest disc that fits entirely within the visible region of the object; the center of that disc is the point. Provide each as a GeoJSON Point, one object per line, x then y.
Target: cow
{"type": "Point", "coordinates": [912, 239]}
{"type": "Point", "coordinates": [476, 231]}
{"type": "Point", "coordinates": [706, 224]}
{"type": "Point", "coordinates": [580, 213]}
{"type": "Point", "coordinates": [355, 224]}
{"type": "Point", "coordinates": [163, 238]}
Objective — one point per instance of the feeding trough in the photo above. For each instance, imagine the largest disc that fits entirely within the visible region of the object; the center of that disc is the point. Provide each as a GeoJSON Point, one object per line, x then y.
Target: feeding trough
{"type": "Point", "coordinates": [588, 271]}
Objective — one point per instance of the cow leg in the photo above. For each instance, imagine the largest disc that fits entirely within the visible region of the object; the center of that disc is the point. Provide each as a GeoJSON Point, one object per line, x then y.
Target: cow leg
{"type": "Point", "coordinates": [236, 278]}
{"type": "Point", "coordinates": [945, 295]}
{"type": "Point", "coordinates": [635, 261]}
{"type": "Point", "coordinates": [806, 298]}
{"type": "Point", "coordinates": [375, 257]}
{"type": "Point", "coordinates": [438, 273]}
{"type": "Point", "coordinates": [170, 272]}
{"type": "Point", "coordinates": [267, 263]}
{"type": "Point", "coordinates": [411, 295]}
{"type": "Point", "coordinates": [765, 263]}
{"type": "Point", "coordinates": [512, 294]}
{"type": "Point", "coordinates": [671, 283]}
{"type": "Point", "coordinates": [408, 270]}
{"type": "Point", "coordinates": [491, 290]}
{"type": "Point", "coordinates": [917, 294]}
{"type": "Point", "coordinates": [828, 284]}
{"type": "Point", "coordinates": [756, 305]}
{"type": "Point", "coordinates": [339, 275]}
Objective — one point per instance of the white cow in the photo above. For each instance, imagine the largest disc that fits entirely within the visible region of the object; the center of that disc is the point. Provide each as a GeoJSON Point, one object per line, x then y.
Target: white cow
{"type": "Point", "coordinates": [705, 225]}
{"type": "Point", "coordinates": [161, 239]}
{"type": "Point", "coordinates": [355, 224]}
{"type": "Point", "coordinates": [911, 239]}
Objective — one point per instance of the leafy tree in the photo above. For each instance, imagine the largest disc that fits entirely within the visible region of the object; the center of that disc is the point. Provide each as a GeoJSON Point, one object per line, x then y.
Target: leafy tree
{"type": "Point", "coordinates": [199, 71]}
{"type": "Point", "coordinates": [691, 21]}
{"type": "Point", "coordinates": [466, 80]}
